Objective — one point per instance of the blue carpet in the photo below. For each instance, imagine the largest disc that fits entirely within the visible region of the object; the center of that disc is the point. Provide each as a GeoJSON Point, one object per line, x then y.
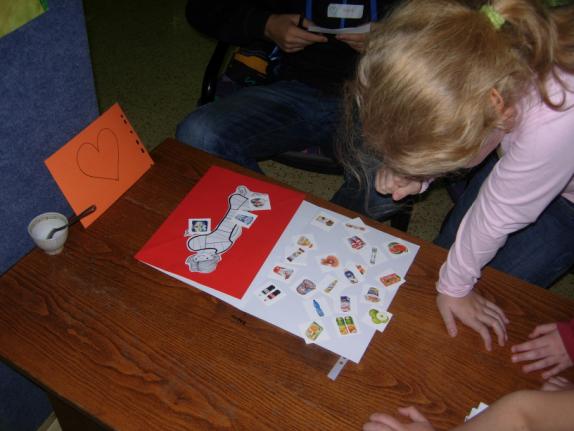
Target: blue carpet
{"type": "Point", "coordinates": [47, 97]}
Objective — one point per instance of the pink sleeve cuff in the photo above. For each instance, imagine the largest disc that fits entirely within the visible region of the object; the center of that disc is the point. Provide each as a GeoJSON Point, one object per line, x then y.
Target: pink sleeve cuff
{"type": "Point", "coordinates": [566, 330]}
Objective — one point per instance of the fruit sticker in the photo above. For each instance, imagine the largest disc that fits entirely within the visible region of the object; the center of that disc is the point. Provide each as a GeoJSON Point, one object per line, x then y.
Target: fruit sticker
{"type": "Point", "coordinates": [377, 318]}
{"type": "Point", "coordinates": [397, 248]}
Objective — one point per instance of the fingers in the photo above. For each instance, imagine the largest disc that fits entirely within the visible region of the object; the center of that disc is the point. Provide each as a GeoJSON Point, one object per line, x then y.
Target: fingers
{"type": "Point", "coordinates": [352, 37]}
{"type": "Point", "coordinates": [355, 41]}
{"type": "Point", "coordinates": [447, 317]}
{"type": "Point", "coordinates": [307, 36]}
{"type": "Point", "coordinates": [413, 414]}
{"type": "Point", "coordinates": [557, 384]}
{"type": "Point", "coordinates": [542, 330]}
{"type": "Point", "coordinates": [400, 194]}
{"type": "Point", "coordinates": [399, 187]}
{"type": "Point", "coordinates": [528, 347]}
{"type": "Point", "coordinates": [496, 324]}
{"type": "Point", "coordinates": [284, 30]}
{"type": "Point", "coordinates": [385, 422]}
{"type": "Point", "coordinates": [495, 308]}
{"type": "Point", "coordinates": [299, 39]}
{"type": "Point", "coordinates": [553, 371]}
{"type": "Point", "coordinates": [545, 362]}
{"type": "Point", "coordinates": [496, 321]}
{"type": "Point", "coordinates": [482, 330]}
{"type": "Point", "coordinates": [374, 426]}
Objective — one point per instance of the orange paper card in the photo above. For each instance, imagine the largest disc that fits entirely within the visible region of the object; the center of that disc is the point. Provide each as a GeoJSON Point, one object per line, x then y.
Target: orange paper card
{"type": "Point", "coordinates": [100, 163]}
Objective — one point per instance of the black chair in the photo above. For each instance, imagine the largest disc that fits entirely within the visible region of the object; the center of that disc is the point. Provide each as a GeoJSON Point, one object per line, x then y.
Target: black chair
{"type": "Point", "coordinates": [306, 160]}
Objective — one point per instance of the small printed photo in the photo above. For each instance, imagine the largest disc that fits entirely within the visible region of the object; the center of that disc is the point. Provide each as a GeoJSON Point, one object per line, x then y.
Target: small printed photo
{"type": "Point", "coordinates": [282, 272]}
{"type": "Point", "coordinates": [328, 262]}
{"type": "Point", "coordinates": [323, 221]}
{"type": "Point", "coordinates": [244, 218]}
{"type": "Point", "coordinates": [306, 288]}
{"type": "Point", "coordinates": [198, 226]}
{"type": "Point", "coordinates": [296, 256]}
{"type": "Point", "coordinates": [396, 248]}
{"type": "Point", "coordinates": [372, 295]}
{"type": "Point", "coordinates": [377, 318]}
{"type": "Point", "coordinates": [312, 331]}
{"type": "Point", "coordinates": [346, 325]}
{"type": "Point", "coordinates": [305, 241]}
{"type": "Point", "coordinates": [270, 294]}
{"type": "Point", "coordinates": [346, 304]}
{"type": "Point", "coordinates": [390, 278]}
{"type": "Point", "coordinates": [318, 308]}
{"type": "Point", "coordinates": [351, 276]}
{"type": "Point", "coordinates": [355, 272]}
{"type": "Point", "coordinates": [259, 201]}
{"type": "Point", "coordinates": [329, 285]}
{"type": "Point", "coordinates": [355, 243]}
{"type": "Point", "coordinates": [373, 256]}
{"type": "Point", "coordinates": [354, 227]}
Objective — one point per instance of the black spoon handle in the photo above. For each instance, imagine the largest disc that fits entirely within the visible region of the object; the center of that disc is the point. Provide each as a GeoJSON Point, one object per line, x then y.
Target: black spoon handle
{"type": "Point", "coordinates": [76, 218]}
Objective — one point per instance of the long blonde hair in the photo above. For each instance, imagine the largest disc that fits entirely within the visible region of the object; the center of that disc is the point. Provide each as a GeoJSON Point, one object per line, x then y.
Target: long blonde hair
{"type": "Point", "coordinates": [423, 88]}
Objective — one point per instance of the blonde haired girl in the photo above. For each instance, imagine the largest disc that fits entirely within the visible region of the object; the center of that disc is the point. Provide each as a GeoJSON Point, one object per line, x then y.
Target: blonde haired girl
{"type": "Point", "coordinates": [440, 86]}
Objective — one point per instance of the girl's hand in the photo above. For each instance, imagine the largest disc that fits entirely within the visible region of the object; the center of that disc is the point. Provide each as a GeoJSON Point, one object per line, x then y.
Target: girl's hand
{"type": "Point", "coordinates": [283, 29]}
{"type": "Point", "coordinates": [546, 349]}
{"type": "Point", "coordinates": [382, 422]}
{"type": "Point", "coordinates": [475, 312]}
{"type": "Point", "coordinates": [554, 384]}
{"type": "Point", "coordinates": [388, 183]}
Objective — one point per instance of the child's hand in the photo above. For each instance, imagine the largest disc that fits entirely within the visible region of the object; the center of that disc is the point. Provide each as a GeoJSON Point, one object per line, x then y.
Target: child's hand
{"type": "Point", "coordinates": [554, 384]}
{"type": "Point", "coordinates": [546, 349]}
{"type": "Point", "coordinates": [382, 422]}
{"type": "Point", "coordinates": [475, 312]}
{"type": "Point", "coordinates": [388, 183]}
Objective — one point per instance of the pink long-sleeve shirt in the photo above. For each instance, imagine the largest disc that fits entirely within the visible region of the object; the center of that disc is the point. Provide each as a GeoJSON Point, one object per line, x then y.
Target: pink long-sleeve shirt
{"type": "Point", "coordinates": [537, 166]}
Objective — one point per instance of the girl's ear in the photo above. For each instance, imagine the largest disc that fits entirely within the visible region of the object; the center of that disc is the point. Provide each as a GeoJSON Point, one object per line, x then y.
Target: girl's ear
{"type": "Point", "coordinates": [505, 113]}
{"type": "Point", "coordinates": [497, 101]}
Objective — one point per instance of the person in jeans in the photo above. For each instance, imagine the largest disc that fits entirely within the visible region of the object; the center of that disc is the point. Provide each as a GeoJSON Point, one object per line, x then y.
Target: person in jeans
{"type": "Point", "coordinates": [299, 104]}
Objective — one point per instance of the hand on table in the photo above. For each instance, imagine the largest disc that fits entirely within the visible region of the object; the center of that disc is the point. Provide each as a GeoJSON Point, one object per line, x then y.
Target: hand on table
{"type": "Point", "coordinates": [399, 187]}
{"type": "Point", "coordinates": [383, 422]}
{"type": "Point", "coordinates": [283, 29]}
{"type": "Point", "coordinates": [354, 40]}
{"type": "Point", "coordinates": [475, 312]}
{"type": "Point", "coordinates": [554, 384]}
{"type": "Point", "coordinates": [545, 349]}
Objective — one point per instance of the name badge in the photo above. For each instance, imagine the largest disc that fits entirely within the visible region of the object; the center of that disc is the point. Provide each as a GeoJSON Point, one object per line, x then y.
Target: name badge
{"type": "Point", "coordinates": [353, 11]}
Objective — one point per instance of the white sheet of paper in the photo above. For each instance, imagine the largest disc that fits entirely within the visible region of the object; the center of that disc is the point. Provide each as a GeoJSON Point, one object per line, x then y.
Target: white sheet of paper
{"type": "Point", "coordinates": [290, 312]}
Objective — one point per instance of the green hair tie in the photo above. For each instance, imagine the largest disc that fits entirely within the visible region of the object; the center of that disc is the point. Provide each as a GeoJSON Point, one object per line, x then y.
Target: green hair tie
{"type": "Point", "coordinates": [495, 18]}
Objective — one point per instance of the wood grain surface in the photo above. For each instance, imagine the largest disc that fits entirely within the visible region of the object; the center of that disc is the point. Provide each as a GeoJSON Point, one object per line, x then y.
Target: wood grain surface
{"type": "Point", "coordinates": [134, 349]}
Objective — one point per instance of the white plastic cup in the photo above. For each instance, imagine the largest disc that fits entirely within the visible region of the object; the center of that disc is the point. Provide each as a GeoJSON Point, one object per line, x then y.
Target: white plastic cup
{"type": "Point", "coordinates": [41, 226]}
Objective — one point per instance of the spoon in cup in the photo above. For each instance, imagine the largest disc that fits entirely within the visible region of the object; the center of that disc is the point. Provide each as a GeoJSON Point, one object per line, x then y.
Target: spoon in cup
{"type": "Point", "coordinates": [72, 220]}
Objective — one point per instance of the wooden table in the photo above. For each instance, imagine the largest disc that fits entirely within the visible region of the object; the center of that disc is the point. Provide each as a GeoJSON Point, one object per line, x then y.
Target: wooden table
{"type": "Point", "coordinates": [121, 345]}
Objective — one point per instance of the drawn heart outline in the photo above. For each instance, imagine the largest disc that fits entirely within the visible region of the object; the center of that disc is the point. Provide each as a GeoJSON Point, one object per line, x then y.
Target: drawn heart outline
{"type": "Point", "coordinates": [102, 159]}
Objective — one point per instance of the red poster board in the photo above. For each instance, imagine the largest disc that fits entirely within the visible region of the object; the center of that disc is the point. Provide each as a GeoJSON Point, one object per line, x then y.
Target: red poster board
{"type": "Point", "coordinates": [168, 249]}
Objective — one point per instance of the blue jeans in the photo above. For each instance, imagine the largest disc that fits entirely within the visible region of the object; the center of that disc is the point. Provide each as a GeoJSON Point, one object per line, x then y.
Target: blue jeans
{"type": "Point", "coordinates": [539, 253]}
{"type": "Point", "coordinates": [259, 122]}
